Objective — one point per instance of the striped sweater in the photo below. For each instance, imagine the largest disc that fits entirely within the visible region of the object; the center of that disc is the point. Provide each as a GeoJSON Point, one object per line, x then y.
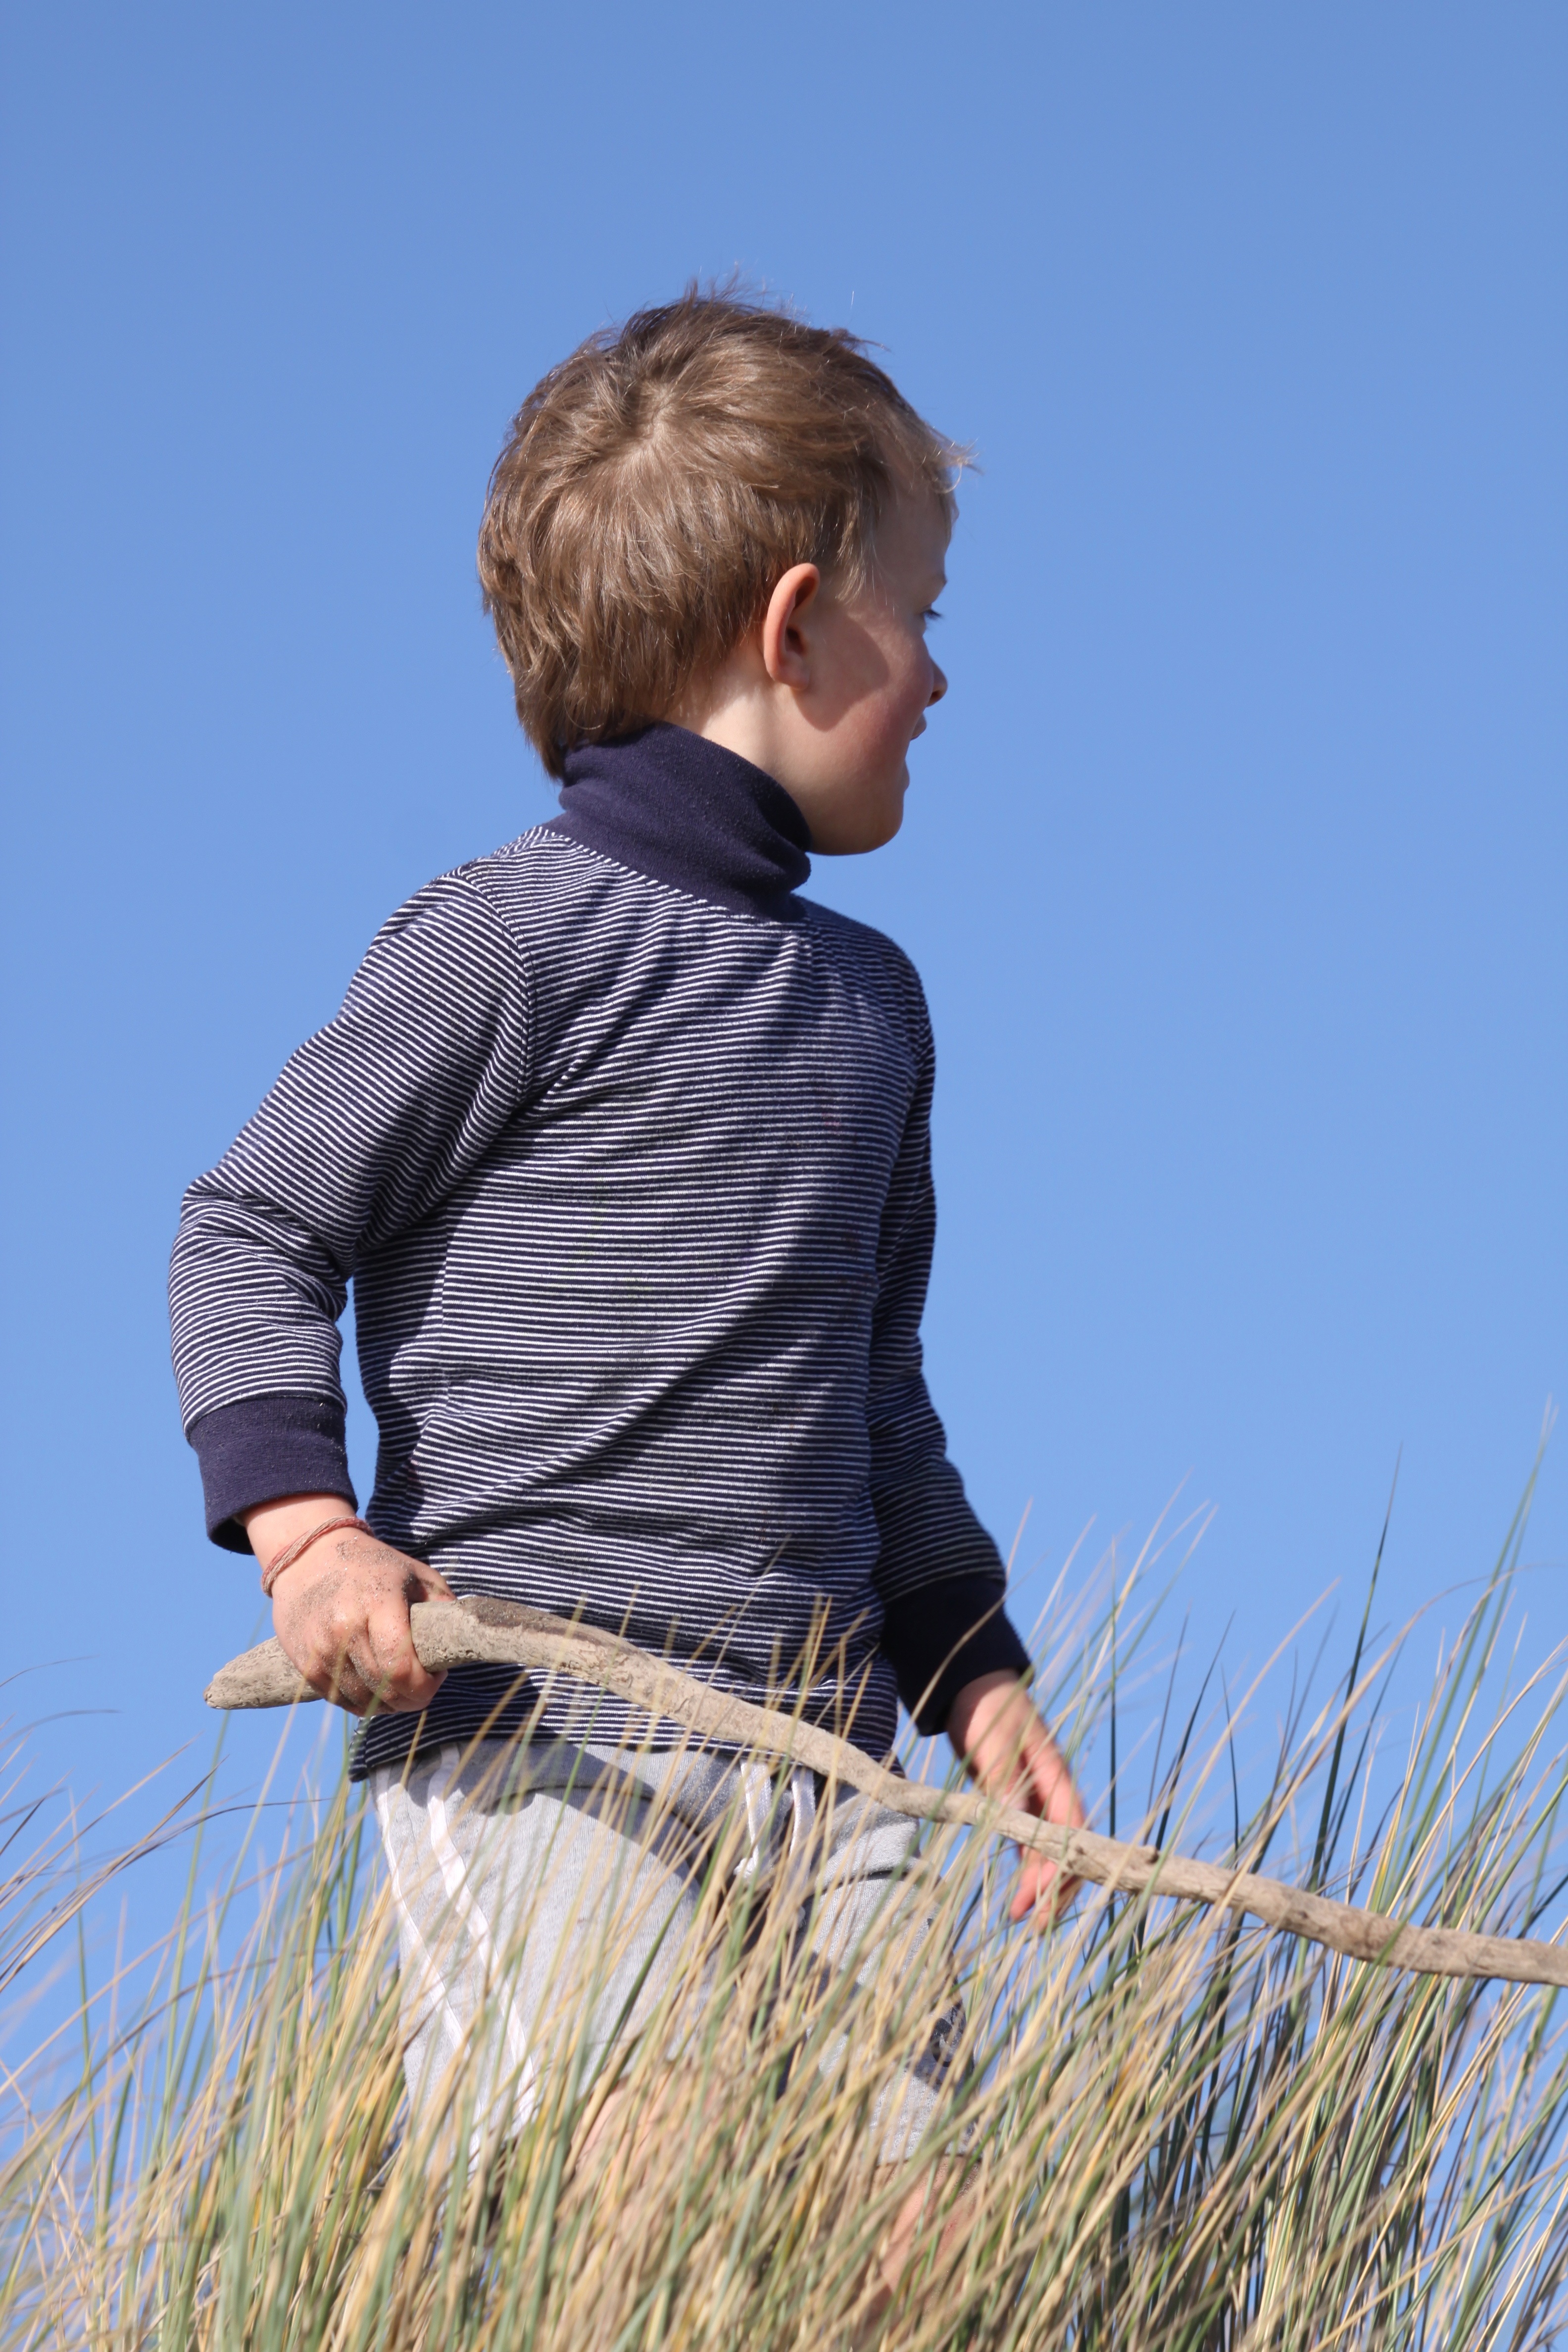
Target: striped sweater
{"type": "Point", "coordinates": [624, 1149]}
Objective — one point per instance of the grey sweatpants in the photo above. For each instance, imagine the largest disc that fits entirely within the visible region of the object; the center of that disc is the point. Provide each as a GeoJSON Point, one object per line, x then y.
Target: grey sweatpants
{"type": "Point", "coordinates": [534, 1883]}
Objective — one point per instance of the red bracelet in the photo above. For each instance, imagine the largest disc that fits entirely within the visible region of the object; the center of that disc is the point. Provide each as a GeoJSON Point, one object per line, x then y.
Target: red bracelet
{"type": "Point", "coordinates": [290, 1552]}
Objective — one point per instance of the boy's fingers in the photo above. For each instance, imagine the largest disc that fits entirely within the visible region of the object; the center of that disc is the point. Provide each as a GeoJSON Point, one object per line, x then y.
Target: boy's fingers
{"type": "Point", "coordinates": [320, 1661]}
{"type": "Point", "coordinates": [1054, 1789]}
{"type": "Point", "coordinates": [344, 1625]}
{"type": "Point", "coordinates": [346, 1670]}
{"type": "Point", "coordinates": [1044, 1889]}
{"type": "Point", "coordinates": [391, 1667]}
{"type": "Point", "coordinates": [337, 1679]}
{"type": "Point", "coordinates": [1032, 1901]}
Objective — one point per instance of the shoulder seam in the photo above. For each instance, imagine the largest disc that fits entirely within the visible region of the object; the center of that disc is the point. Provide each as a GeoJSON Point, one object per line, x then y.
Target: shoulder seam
{"type": "Point", "coordinates": [460, 877]}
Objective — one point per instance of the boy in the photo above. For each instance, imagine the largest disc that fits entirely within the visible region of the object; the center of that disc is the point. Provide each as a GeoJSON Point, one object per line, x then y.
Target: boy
{"type": "Point", "coordinates": [625, 1145]}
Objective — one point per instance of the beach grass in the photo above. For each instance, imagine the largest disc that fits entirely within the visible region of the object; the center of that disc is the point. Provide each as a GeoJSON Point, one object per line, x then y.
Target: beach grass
{"type": "Point", "coordinates": [1169, 2128]}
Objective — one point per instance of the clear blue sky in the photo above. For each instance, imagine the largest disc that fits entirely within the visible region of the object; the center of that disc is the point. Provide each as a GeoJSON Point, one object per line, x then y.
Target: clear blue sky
{"type": "Point", "coordinates": [1235, 863]}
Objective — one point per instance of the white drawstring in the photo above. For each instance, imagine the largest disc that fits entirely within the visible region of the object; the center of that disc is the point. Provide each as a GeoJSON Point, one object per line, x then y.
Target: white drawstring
{"type": "Point", "coordinates": [802, 1808]}
{"type": "Point", "coordinates": [757, 1792]}
{"type": "Point", "coordinates": [762, 1823]}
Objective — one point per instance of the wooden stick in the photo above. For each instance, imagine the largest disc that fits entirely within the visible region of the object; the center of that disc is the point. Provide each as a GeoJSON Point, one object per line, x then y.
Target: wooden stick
{"type": "Point", "coordinates": [483, 1631]}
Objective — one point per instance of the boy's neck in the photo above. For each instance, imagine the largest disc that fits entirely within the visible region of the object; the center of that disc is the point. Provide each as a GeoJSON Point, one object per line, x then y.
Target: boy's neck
{"type": "Point", "coordinates": [686, 811]}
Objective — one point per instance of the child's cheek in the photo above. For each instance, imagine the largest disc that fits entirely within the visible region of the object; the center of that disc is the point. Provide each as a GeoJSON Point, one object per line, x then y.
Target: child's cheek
{"type": "Point", "coordinates": [896, 716]}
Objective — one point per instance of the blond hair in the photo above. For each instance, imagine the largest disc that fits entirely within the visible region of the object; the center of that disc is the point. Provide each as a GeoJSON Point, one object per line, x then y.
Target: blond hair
{"type": "Point", "coordinates": [656, 486]}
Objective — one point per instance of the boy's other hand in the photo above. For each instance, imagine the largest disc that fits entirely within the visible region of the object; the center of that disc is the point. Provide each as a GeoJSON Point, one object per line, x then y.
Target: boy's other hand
{"type": "Point", "coordinates": [340, 1610]}
{"type": "Point", "coordinates": [994, 1728]}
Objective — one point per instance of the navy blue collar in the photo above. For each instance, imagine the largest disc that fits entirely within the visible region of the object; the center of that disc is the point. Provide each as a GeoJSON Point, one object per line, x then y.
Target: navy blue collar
{"type": "Point", "coordinates": [673, 805]}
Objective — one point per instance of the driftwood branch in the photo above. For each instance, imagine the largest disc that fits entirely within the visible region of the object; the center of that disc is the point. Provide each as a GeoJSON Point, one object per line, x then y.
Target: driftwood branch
{"type": "Point", "coordinates": [483, 1631]}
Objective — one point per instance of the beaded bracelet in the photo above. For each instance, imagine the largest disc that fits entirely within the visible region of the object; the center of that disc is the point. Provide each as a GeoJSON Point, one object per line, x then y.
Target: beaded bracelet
{"type": "Point", "coordinates": [290, 1552]}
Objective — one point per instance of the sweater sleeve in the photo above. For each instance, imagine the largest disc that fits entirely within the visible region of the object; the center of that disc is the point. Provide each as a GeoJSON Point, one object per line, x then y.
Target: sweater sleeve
{"type": "Point", "coordinates": [371, 1124]}
{"type": "Point", "coordinates": [940, 1575]}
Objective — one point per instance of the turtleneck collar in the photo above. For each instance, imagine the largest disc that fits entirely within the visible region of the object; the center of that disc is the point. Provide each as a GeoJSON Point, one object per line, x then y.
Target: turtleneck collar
{"type": "Point", "coordinates": [673, 805]}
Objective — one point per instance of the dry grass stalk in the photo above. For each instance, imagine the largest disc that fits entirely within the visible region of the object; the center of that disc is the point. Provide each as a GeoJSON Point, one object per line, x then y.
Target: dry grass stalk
{"type": "Point", "coordinates": [1177, 2134]}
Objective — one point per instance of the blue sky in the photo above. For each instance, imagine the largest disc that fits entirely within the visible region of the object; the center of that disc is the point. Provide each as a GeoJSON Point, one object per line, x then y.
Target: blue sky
{"type": "Point", "coordinates": [1234, 860]}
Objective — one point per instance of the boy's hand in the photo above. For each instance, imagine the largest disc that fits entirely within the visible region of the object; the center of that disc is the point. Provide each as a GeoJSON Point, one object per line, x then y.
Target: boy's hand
{"type": "Point", "coordinates": [340, 1610]}
{"type": "Point", "coordinates": [994, 1727]}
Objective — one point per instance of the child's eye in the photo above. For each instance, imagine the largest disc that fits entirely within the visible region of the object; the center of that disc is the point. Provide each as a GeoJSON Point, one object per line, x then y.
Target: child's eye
{"type": "Point", "coordinates": [931, 613]}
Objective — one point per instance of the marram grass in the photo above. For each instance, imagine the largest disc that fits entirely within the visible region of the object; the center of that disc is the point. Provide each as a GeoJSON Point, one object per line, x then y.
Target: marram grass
{"type": "Point", "coordinates": [1174, 2130]}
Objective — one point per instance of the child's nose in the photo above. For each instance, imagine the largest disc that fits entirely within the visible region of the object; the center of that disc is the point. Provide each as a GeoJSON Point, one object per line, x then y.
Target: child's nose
{"type": "Point", "coordinates": [938, 685]}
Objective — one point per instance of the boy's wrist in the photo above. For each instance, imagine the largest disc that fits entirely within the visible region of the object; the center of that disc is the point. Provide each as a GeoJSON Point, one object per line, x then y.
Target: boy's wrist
{"type": "Point", "coordinates": [272, 1526]}
{"type": "Point", "coordinates": [979, 1708]}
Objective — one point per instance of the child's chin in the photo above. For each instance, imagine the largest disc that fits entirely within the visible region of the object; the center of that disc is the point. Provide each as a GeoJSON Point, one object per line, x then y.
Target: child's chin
{"type": "Point", "coordinates": [888, 824]}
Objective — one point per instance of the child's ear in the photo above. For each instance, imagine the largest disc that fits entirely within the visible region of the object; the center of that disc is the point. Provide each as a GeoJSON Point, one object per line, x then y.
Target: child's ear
{"type": "Point", "coordinates": [786, 626]}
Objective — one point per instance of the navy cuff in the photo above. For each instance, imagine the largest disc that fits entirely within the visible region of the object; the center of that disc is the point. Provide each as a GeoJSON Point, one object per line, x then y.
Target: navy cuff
{"type": "Point", "coordinates": [261, 1448]}
{"type": "Point", "coordinates": [943, 1635]}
